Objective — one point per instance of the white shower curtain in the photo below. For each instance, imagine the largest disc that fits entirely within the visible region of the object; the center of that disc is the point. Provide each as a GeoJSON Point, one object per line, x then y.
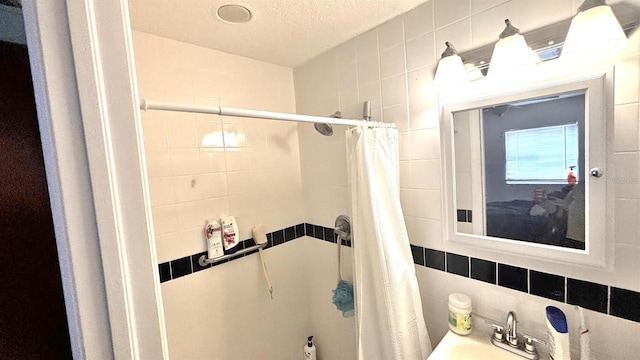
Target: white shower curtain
{"type": "Point", "coordinates": [390, 324]}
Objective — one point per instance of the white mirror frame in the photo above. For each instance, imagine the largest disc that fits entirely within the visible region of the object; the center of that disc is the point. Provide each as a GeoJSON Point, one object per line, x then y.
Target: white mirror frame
{"type": "Point", "coordinates": [598, 87]}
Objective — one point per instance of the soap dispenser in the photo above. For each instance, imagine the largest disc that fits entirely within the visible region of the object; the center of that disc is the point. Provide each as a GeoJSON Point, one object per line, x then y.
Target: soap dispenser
{"type": "Point", "coordinates": [310, 349]}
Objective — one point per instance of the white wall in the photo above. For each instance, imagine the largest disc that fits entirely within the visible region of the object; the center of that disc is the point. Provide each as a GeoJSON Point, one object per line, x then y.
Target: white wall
{"type": "Point", "coordinates": [393, 66]}
{"type": "Point", "coordinates": [201, 167]}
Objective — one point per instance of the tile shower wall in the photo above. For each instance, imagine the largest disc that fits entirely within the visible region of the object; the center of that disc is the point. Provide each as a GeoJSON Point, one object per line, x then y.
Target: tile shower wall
{"type": "Point", "coordinates": [392, 66]}
{"type": "Point", "coordinates": [204, 166]}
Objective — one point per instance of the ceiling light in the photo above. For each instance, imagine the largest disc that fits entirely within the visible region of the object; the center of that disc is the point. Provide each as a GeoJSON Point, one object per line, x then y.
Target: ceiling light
{"type": "Point", "coordinates": [594, 31]}
{"type": "Point", "coordinates": [234, 13]}
{"type": "Point", "coordinates": [511, 54]}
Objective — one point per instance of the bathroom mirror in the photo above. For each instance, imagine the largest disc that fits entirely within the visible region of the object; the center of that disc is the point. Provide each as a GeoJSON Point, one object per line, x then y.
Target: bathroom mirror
{"type": "Point", "coordinates": [525, 171]}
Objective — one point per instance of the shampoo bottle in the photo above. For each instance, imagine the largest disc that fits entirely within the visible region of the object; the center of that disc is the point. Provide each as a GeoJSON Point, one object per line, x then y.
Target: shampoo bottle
{"type": "Point", "coordinates": [213, 233]}
{"type": "Point", "coordinates": [230, 234]}
{"type": "Point", "coordinates": [309, 350]}
{"type": "Point", "coordinates": [558, 332]}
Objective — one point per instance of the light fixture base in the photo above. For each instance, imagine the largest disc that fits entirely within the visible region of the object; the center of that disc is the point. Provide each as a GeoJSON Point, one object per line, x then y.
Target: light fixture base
{"type": "Point", "coordinates": [589, 4]}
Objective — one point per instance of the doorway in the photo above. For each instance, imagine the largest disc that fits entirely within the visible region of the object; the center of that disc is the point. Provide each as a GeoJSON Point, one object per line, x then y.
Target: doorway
{"type": "Point", "coordinates": [33, 322]}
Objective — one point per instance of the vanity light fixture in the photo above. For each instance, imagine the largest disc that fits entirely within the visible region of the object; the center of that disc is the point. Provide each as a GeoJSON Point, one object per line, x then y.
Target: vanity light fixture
{"type": "Point", "coordinates": [547, 42]}
{"type": "Point", "coordinates": [450, 69]}
{"type": "Point", "coordinates": [594, 31]}
{"type": "Point", "coordinates": [511, 54]}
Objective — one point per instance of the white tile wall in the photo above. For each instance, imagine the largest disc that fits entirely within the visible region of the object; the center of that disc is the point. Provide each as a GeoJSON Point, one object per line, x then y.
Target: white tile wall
{"type": "Point", "coordinates": [226, 312]}
{"type": "Point", "coordinates": [206, 166]}
{"type": "Point", "coordinates": [468, 24]}
{"type": "Point", "coordinates": [203, 167]}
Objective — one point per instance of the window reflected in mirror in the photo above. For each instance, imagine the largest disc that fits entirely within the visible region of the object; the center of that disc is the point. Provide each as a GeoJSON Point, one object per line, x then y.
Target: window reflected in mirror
{"type": "Point", "coordinates": [520, 170]}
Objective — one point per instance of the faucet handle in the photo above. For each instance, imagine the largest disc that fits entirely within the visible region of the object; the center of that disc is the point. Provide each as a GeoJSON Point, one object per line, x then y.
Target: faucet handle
{"type": "Point", "coordinates": [498, 332]}
{"type": "Point", "coordinates": [529, 345]}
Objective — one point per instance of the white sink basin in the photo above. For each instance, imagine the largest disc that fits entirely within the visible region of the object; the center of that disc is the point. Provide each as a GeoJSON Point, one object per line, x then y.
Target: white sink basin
{"type": "Point", "coordinates": [476, 346]}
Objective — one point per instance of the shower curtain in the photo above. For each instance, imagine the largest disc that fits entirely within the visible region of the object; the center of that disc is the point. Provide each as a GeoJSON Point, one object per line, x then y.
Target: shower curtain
{"type": "Point", "coordinates": [389, 320]}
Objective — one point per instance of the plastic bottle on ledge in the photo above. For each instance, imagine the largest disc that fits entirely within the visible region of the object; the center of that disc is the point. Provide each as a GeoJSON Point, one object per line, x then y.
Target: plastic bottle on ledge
{"type": "Point", "coordinates": [230, 234]}
{"type": "Point", "coordinates": [309, 350]}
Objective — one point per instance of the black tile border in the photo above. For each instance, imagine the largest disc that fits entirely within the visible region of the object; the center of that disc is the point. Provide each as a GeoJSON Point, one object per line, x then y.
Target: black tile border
{"type": "Point", "coordinates": [513, 277]}
{"type": "Point", "coordinates": [434, 259]}
{"type": "Point", "coordinates": [609, 300]}
{"type": "Point", "coordinates": [418, 255]}
{"type": "Point", "coordinates": [464, 215]}
{"type": "Point", "coordinates": [458, 264]}
{"type": "Point", "coordinates": [483, 270]}
{"type": "Point", "coordinates": [189, 264]}
{"type": "Point", "coordinates": [588, 295]}
{"type": "Point", "coordinates": [546, 285]}
{"type": "Point", "coordinates": [606, 299]}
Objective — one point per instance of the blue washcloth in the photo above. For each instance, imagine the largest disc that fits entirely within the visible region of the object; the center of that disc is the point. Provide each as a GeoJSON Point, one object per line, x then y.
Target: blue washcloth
{"type": "Point", "coordinates": [343, 298]}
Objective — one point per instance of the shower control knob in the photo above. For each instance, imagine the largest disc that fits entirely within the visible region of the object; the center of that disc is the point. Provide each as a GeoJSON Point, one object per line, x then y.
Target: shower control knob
{"type": "Point", "coordinates": [596, 172]}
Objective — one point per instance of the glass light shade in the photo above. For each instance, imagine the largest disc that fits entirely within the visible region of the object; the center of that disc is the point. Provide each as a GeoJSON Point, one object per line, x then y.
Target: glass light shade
{"type": "Point", "coordinates": [511, 57]}
{"type": "Point", "coordinates": [595, 31]}
{"type": "Point", "coordinates": [450, 72]}
{"type": "Point", "coordinates": [473, 73]}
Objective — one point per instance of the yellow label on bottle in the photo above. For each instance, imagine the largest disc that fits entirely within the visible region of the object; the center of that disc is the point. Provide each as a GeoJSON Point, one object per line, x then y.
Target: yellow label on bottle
{"type": "Point", "coordinates": [460, 321]}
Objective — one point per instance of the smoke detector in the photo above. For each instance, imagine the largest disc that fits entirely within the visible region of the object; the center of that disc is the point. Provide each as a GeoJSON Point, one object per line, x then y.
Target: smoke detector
{"type": "Point", "coordinates": [234, 14]}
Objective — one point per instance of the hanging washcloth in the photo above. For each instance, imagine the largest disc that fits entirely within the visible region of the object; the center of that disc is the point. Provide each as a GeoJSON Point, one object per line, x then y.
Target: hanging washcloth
{"type": "Point", "coordinates": [343, 293]}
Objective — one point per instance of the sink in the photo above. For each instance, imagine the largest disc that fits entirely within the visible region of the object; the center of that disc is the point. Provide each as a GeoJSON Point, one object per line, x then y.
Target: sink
{"type": "Point", "coordinates": [475, 346]}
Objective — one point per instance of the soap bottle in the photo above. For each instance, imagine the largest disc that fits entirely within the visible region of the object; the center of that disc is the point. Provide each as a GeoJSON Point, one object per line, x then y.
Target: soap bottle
{"type": "Point", "coordinates": [571, 178]}
{"type": "Point", "coordinates": [230, 234]}
{"type": "Point", "coordinates": [213, 233]}
{"type": "Point", "coordinates": [309, 349]}
{"type": "Point", "coordinates": [558, 332]}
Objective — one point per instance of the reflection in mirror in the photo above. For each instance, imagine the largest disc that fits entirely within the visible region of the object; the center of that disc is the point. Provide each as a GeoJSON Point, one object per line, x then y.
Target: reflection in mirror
{"type": "Point", "coordinates": [520, 170]}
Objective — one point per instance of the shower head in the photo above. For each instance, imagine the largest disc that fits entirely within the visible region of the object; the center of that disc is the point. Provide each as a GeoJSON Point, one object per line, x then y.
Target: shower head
{"type": "Point", "coordinates": [324, 129]}
{"type": "Point", "coordinates": [327, 129]}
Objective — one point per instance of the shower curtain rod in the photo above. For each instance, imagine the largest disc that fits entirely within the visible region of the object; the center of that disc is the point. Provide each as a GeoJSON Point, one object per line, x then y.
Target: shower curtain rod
{"type": "Point", "coordinates": [258, 114]}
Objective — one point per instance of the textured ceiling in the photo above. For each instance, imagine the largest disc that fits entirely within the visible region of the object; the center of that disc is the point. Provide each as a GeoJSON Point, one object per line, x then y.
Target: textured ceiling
{"type": "Point", "coordinates": [284, 32]}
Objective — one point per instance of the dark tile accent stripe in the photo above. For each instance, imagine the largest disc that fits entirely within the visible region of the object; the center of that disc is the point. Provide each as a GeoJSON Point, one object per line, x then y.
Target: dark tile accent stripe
{"type": "Point", "coordinates": [512, 277]}
{"type": "Point", "coordinates": [625, 304]}
{"type": "Point", "coordinates": [458, 264]}
{"type": "Point", "coordinates": [180, 267]}
{"type": "Point", "coordinates": [289, 233]}
{"type": "Point", "coordinates": [587, 295]}
{"type": "Point", "coordinates": [329, 235]}
{"type": "Point", "coordinates": [189, 264]}
{"type": "Point", "coordinates": [269, 241]}
{"type": "Point", "coordinates": [462, 215]}
{"type": "Point", "coordinates": [546, 285]}
{"type": "Point", "coordinates": [318, 232]}
{"type": "Point", "coordinates": [278, 237]}
{"type": "Point", "coordinates": [434, 259]}
{"type": "Point", "coordinates": [165, 272]}
{"type": "Point", "coordinates": [249, 243]}
{"type": "Point", "coordinates": [308, 229]}
{"type": "Point", "coordinates": [483, 270]}
{"type": "Point", "coordinates": [621, 303]}
{"type": "Point", "coordinates": [418, 255]}
{"type": "Point", "coordinates": [195, 265]}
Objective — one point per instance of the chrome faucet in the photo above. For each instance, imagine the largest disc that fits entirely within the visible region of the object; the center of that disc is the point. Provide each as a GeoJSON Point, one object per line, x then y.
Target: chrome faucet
{"type": "Point", "coordinates": [510, 341]}
{"type": "Point", "coordinates": [512, 329]}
